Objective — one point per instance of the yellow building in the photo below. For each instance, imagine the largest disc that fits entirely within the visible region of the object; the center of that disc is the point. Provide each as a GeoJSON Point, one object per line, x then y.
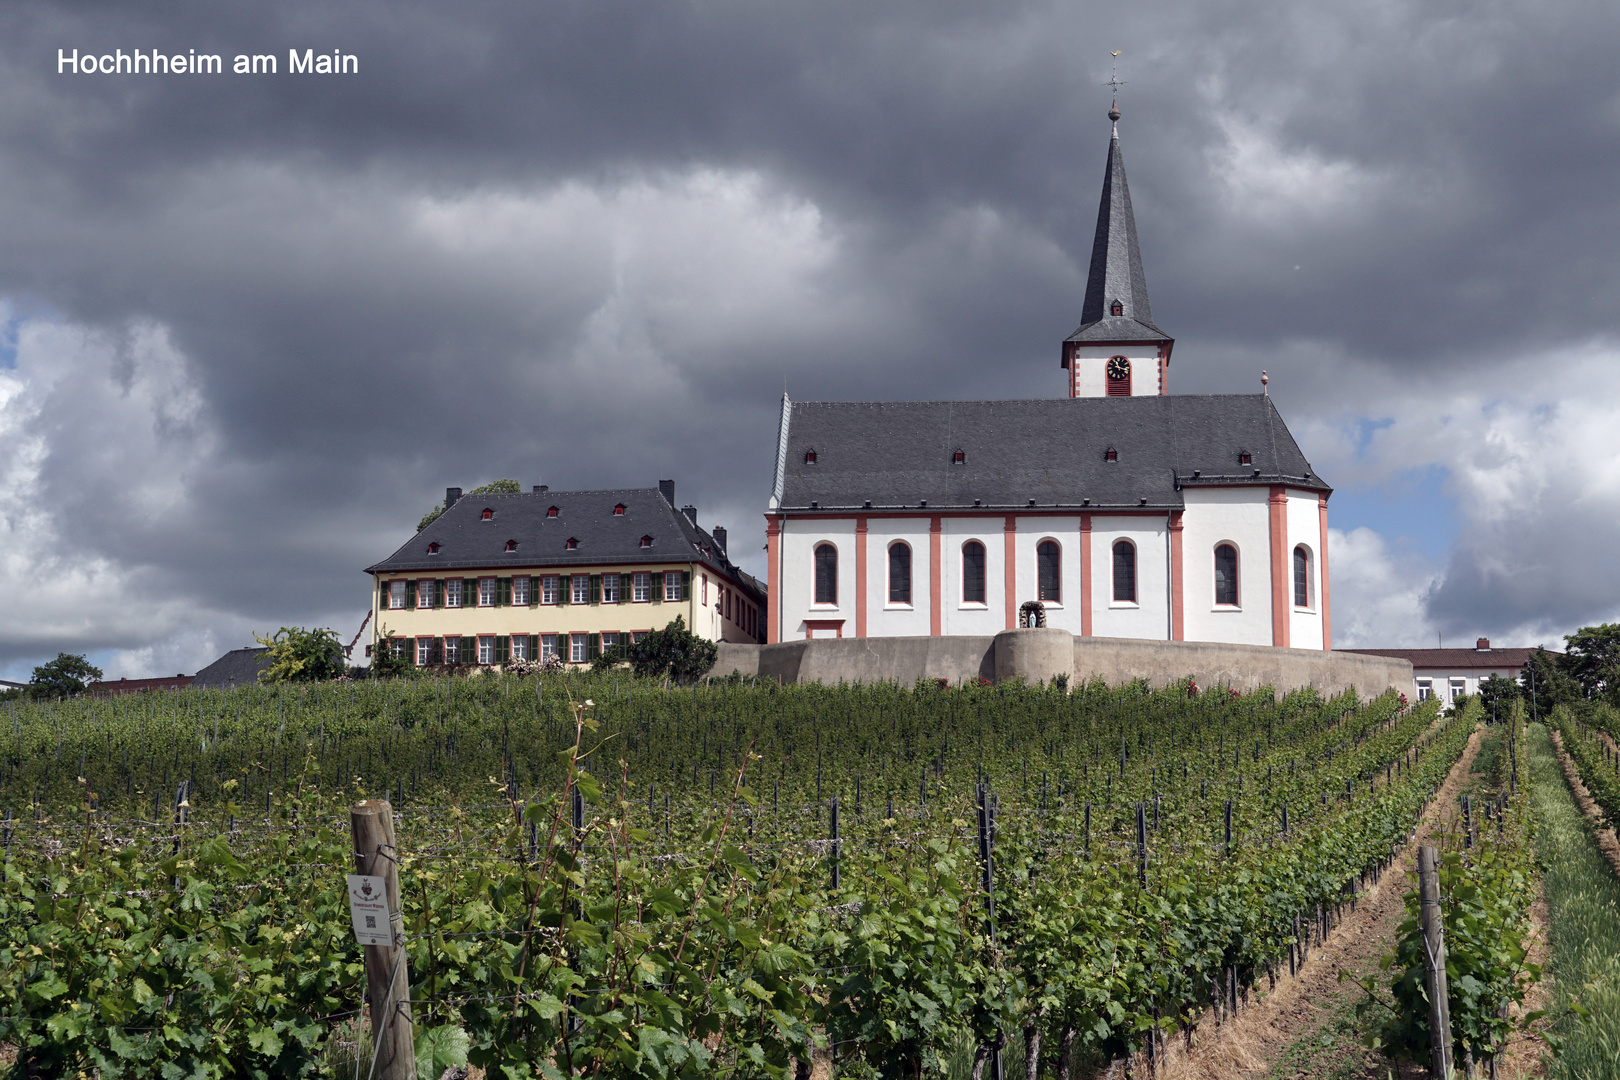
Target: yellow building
{"type": "Point", "coordinates": [497, 578]}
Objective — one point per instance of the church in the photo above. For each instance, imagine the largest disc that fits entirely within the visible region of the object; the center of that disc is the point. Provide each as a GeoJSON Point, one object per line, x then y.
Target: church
{"type": "Point", "coordinates": [1115, 510]}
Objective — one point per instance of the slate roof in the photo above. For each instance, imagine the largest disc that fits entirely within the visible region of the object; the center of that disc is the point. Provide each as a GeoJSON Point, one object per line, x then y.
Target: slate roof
{"type": "Point", "coordinates": [239, 667]}
{"type": "Point", "coordinates": [1116, 267]}
{"type": "Point", "coordinates": [1453, 658]}
{"type": "Point", "coordinates": [899, 454]}
{"type": "Point", "coordinates": [136, 686]}
{"type": "Point", "coordinates": [468, 542]}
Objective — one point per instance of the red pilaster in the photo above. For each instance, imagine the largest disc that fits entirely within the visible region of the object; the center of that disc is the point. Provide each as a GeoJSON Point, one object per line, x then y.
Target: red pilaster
{"type": "Point", "coordinates": [860, 577]}
{"type": "Point", "coordinates": [1280, 605]}
{"type": "Point", "coordinates": [1177, 633]}
{"type": "Point", "coordinates": [1322, 560]}
{"type": "Point", "coordinates": [1085, 575]}
{"type": "Point", "coordinates": [935, 591]}
{"type": "Point", "coordinates": [773, 576]}
{"type": "Point", "coordinates": [1010, 575]}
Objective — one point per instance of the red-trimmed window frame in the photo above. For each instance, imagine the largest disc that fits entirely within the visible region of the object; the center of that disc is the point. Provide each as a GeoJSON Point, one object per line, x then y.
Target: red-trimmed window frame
{"type": "Point", "coordinates": [812, 625]}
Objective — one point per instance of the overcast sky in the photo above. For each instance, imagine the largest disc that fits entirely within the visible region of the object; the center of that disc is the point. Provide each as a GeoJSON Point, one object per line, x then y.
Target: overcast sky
{"type": "Point", "coordinates": [251, 326]}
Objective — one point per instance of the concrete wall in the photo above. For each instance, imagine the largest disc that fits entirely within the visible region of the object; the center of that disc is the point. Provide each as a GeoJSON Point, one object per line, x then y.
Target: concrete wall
{"type": "Point", "coordinates": [1032, 655]}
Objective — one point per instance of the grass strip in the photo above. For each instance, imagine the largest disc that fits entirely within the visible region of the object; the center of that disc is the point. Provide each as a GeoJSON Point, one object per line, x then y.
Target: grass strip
{"type": "Point", "coordinates": [1583, 900]}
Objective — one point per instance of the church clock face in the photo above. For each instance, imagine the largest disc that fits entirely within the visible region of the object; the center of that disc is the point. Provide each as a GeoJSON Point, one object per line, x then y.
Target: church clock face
{"type": "Point", "coordinates": [1119, 369]}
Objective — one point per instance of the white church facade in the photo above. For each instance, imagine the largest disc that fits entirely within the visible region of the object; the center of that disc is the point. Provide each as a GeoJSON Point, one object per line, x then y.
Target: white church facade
{"type": "Point", "coordinates": [1118, 510]}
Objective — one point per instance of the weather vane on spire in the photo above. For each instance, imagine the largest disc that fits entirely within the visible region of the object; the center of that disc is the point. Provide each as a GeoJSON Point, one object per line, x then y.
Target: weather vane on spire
{"type": "Point", "coordinates": [1114, 83]}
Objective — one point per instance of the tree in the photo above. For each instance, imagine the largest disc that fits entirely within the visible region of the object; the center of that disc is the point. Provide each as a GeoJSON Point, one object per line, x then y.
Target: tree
{"type": "Point", "coordinates": [299, 655]}
{"type": "Point", "coordinates": [497, 487]}
{"type": "Point", "coordinates": [673, 651]}
{"type": "Point", "coordinates": [63, 677]}
{"type": "Point", "coordinates": [1592, 657]}
{"type": "Point", "coordinates": [387, 662]}
{"type": "Point", "coordinates": [1544, 683]}
{"type": "Point", "coordinates": [1497, 694]}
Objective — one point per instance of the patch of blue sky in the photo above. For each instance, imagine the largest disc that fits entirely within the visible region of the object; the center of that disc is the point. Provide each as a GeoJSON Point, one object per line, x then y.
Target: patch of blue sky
{"type": "Point", "coordinates": [1413, 506]}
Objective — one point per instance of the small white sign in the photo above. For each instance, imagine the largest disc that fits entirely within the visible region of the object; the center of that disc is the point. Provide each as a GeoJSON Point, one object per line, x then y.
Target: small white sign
{"type": "Point", "coordinates": [368, 905]}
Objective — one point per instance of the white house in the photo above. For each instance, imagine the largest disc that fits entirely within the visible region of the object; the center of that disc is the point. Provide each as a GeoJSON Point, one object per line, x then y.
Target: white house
{"type": "Point", "coordinates": [1117, 510]}
{"type": "Point", "coordinates": [1448, 674]}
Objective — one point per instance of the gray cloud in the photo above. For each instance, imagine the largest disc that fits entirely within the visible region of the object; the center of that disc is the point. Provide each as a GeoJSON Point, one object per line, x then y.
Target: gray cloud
{"type": "Point", "coordinates": [586, 244]}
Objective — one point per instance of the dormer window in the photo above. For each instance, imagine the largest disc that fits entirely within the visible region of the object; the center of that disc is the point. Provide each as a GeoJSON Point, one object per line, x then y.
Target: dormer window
{"type": "Point", "coordinates": [959, 458]}
{"type": "Point", "coordinates": [1110, 454]}
{"type": "Point", "coordinates": [809, 457]}
{"type": "Point", "coordinates": [1117, 309]}
{"type": "Point", "coordinates": [488, 514]}
{"type": "Point", "coordinates": [551, 511]}
{"type": "Point", "coordinates": [1245, 458]}
{"type": "Point", "coordinates": [646, 541]}
{"type": "Point", "coordinates": [433, 548]}
{"type": "Point", "coordinates": [618, 510]}
{"type": "Point", "coordinates": [511, 545]}
{"type": "Point", "coordinates": [573, 544]}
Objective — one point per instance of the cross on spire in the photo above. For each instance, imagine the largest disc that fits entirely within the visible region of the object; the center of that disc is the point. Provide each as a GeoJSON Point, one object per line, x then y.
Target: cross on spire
{"type": "Point", "coordinates": [1114, 83]}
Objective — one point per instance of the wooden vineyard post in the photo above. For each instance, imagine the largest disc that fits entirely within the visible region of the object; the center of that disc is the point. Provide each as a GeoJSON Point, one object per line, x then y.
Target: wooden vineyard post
{"type": "Point", "coordinates": [1141, 845]}
{"type": "Point", "coordinates": [987, 879]}
{"type": "Point", "coordinates": [1434, 964]}
{"type": "Point", "coordinates": [832, 849]}
{"type": "Point", "coordinates": [388, 977]}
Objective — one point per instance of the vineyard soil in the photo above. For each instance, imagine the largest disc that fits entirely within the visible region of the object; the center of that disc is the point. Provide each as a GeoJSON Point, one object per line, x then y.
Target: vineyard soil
{"type": "Point", "coordinates": [1602, 835]}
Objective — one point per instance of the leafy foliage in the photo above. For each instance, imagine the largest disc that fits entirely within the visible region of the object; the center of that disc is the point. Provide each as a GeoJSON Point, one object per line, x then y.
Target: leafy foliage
{"type": "Point", "coordinates": [674, 652]}
{"type": "Point", "coordinates": [63, 677]}
{"type": "Point", "coordinates": [299, 655]}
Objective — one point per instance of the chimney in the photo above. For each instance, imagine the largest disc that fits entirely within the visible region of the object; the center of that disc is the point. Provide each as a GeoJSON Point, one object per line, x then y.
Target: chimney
{"type": "Point", "coordinates": [450, 497]}
{"type": "Point", "coordinates": [691, 513]}
{"type": "Point", "coordinates": [541, 489]}
{"type": "Point", "coordinates": [1483, 644]}
{"type": "Point", "coordinates": [666, 488]}
{"type": "Point", "coordinates": [719, 534]}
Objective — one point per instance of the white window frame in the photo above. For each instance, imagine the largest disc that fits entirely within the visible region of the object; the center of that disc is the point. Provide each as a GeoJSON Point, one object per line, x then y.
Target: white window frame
{"type": "Point", "coordinates": [578, 646]}
{"type": "Point", "coordinates": [606, 644]}
{"type": "Point", "coordinates": [1457, 687]}
{"type": "Point", "coordinates": [452, 592]}
{"type": "Point", "coordinates": [641, 587]}
{"type": "Point", "coordinates": [548, 588]}
{"type": "Point", "coordinates": [581, 591]}
{"type": "Point", "coordinates": [520, 593]}
{"type": "Point", "coordinates": [1425, 689]}
{"type": "Point", "coordinates": [486, 648]}
{"type": "Point", "coordinates": [396, 595]}
{"type": "Point", "coordinates": [519, 648]}
{"type": "Point", "coordinates": [424, 594]}
{"type": "Point", "coordinates": [397, 646]}
{"type": "Point", "coordinates": [424, 651]}
{"type": "Point", "coordinates": [610, 588]}
{"type": "Point", "coordinates": [672, 587]}
{"type": "Point", "coordinates": [637, 635]}
{"type": "Point", "coordinates": [486, 595]}
{"type": "Point", "coordinates": [452, 654]}
{"type": "Point", "coordinates": [548, 646]}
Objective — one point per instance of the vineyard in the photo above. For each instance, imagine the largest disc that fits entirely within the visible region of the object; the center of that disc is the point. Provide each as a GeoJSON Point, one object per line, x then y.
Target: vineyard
{"type": "Point", "coordinates": [603, 876]}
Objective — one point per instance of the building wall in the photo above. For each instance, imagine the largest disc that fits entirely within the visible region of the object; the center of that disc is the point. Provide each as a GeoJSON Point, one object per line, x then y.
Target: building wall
{"type": "Point", "coordinates": [1149, 617]}
{"type": "Point", "coordinates": [896, 620]}
{"type": "Point", "coordinates": [1088, 368]}
{"type": "Point", "coordinates": [1304, 527]}
{"type": "Point", "coordinates": [958, 617]}
{"type": "Point", "coordinates": [1440, 680]}
{"type": "Point", "coordinates": [535, 618]}
{"type": "Point", "coordinates": [1241, 516]}
{"type": "Point", "coordinates": [799, 540]}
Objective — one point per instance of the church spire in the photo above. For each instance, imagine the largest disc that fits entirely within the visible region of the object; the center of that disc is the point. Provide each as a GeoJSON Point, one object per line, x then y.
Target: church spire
{"type": "Point", "coordinates": [1115, 311]}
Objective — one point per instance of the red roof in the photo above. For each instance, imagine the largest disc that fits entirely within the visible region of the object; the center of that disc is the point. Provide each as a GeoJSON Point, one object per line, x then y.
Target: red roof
{"type": "Point", "coordinates": [1491, 659]}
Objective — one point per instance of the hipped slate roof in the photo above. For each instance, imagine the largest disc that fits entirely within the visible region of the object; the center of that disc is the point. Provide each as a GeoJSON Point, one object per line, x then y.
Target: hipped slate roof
{"type": "Point", "coordinates": [900, 454]}
{"type": "Point", "coordinates": [1428, 659]}
{"type": "Point", "coordinates": [239, 667]}
{"type": "Point", "coordinates": [1116, 267]}
{"type": "Point", "coordinates": [467, 542]}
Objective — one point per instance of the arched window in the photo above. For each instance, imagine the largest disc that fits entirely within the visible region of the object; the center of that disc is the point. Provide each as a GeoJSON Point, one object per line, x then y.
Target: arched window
{"type": "Point", "coordinates": [826, 574]}
{"type": "Point", "coordinates": [972, 572]}
{"type": "Point", "coordinates": [1049, 572]}
{"type": "Point", "coordinates": [899, 573]}
{"type": "Point", "coordinates": [1226, 575]}
{"type": "Point", "coordinates": [1302, 576]}
{"type": "Point", "coordinates": [1124, 572]}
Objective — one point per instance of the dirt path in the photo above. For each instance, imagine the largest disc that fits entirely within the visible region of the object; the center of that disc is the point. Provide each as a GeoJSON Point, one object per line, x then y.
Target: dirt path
{"type": "Point", "coordinates": [1266, 1038]}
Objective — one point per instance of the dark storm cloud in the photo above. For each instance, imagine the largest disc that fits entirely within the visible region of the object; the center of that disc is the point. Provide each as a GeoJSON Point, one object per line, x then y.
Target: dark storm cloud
{"type": "Point", "coordinates": [586, 243]}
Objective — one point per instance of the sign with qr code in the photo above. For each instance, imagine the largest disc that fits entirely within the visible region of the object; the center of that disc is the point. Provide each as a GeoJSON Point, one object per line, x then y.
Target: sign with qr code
{"type": "Point", "coordinates": [368, 906]}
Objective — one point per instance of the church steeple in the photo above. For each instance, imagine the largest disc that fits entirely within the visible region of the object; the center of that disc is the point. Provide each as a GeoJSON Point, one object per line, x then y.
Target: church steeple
{"type": "Point", "coordinates": [1115, 313]}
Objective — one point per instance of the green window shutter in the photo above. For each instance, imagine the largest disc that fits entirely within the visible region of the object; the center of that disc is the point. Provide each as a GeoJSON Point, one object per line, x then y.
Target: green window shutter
{"type": "Point", "coordinates": [593, 647]}
{"type": "Point", "coordinates": [625, 585]}
{"type": "Point", "coordinates": [565, 589]}
{"type": "Point", "coordinates": [534, 591]}
{"type": "Point", "coordinates": [686, 584]}
{"type": "Point", "coordinates": [436, 652]}
{"type": "Point", "coordinates": [503, 588]}
{"type": "Point", "coordinates": [503, 649]}
{"type": "Point", "coordinates": [438, 593]}
{"type": "Point", "coordinates": [410, 594]}
{"type": "Point", "coordinates": [658, 588]}
{"type": "Point", "coordinates": [469, 650]}
{"type": "Point", "coordinates": [469, 592]}
{"type": "Point", "coordinates": [534, 647]}
{"type": "Point", "coordinates": [596, 588]}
